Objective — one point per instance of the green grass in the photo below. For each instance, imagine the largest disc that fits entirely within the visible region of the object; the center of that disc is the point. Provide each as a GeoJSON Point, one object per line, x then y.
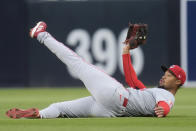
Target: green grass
{"type": "Point", "coordinates": [182, 117]}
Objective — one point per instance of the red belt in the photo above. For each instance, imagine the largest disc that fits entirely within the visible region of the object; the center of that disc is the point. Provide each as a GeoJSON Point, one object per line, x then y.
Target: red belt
{"type": "Point", "coordinates": [125, 102]}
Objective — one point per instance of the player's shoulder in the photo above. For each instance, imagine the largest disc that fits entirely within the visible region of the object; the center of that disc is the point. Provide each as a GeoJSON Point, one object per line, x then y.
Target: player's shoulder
{"type": "Point", "coordinates": [160, 91]}
{"type": "Point", "coordinates": [156, 89]}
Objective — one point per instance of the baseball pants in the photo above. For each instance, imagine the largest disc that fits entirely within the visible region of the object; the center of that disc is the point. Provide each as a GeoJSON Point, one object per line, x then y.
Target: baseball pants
{"type": "Point", "coordinates": [107, 94]}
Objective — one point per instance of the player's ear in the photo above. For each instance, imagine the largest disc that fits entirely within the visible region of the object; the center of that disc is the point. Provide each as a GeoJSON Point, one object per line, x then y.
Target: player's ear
{"type": "Point", "coordinates": [178, 82]}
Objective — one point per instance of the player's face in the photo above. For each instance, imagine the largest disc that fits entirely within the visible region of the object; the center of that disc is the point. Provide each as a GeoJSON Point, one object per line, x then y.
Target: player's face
{"type": "Point", "coordinates": [168, 80]}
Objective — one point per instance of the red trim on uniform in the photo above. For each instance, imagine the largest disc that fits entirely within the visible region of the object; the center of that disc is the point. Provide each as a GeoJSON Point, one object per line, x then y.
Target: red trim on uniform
{"type": "Point", "coordinates": [130, 75]}
{"type": "Point", "coordinates": [125, 102]}
{"type": "Point", "coordinates": [165, 106]}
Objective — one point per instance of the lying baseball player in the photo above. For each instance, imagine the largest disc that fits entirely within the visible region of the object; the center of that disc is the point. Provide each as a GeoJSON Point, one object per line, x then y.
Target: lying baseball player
{"type": "Point", "coordinates": [108, 97]}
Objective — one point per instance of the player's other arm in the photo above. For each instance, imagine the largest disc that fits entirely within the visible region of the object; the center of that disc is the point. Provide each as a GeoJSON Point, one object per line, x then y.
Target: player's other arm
{"type": "Point", "coordinates": [130, 75]}
{"type": "Point", "coordinates": [162, 109]}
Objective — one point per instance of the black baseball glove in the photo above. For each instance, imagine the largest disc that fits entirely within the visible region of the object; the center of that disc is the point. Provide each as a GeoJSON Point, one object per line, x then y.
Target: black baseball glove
{"type": "Point", "coordinates": [136, 35]}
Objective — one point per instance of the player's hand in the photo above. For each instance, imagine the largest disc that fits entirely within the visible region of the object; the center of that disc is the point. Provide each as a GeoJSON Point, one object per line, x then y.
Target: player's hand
{"type": "Point", "coordinates": [159, 111]}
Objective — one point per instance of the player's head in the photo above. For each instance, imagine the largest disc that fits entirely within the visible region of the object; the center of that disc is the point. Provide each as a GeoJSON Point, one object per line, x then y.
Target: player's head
{"type": "Point", "coordinates": [174, 77]}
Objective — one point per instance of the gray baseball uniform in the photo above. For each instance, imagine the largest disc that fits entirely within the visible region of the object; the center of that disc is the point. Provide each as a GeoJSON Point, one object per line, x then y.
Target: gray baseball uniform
{"type": "Point", "coordinates": [142, 103]}
{"type": "Point", "coordinates": [108, 95]}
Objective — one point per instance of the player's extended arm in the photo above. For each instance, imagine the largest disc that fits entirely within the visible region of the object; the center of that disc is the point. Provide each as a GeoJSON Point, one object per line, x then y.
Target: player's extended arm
{"type": "Point", "coordinates": [130, 75]}
{"type": "Point", "coordinates": [162, 109]}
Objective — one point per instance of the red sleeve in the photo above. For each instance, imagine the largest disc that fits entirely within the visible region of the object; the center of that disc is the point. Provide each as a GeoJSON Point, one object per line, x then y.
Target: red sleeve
{"type": "Point", "coordinates": [130, 75]}
{"type": "Point", "coordinates": [165, 106]}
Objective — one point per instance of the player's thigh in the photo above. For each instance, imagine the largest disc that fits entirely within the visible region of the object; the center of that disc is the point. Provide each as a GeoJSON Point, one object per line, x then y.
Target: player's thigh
{"type": "Point", "coordinates": [101, 86]}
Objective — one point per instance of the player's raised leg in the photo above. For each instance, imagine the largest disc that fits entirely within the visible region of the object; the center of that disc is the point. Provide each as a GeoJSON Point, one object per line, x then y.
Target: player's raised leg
{"type": "Point", "coordinates": [100, 85]}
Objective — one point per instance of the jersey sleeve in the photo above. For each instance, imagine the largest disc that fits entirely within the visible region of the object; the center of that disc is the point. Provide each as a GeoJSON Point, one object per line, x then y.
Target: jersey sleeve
{"type": "Point", "coordinates": [130, 75]}
{"type": "Point", "coordinates": [165, 96]}
{"type": "Point", "coordinates": [164, 99]}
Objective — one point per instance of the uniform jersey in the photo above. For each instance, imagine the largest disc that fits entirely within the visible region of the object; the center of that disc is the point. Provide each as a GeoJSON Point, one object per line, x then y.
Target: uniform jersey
{"type": "Point", "coordinates": [142, 102]}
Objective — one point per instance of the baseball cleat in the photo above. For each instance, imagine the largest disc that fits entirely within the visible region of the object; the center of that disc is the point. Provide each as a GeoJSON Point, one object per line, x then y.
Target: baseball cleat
{"type": "Point", "coordinates": [40, 27]}
{"type": "Point", "coordinates": [19, 113]}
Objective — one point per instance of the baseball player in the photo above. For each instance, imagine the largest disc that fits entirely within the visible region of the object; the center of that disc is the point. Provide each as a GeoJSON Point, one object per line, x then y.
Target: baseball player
{"type": "Point", "coordinates": [108, 97]}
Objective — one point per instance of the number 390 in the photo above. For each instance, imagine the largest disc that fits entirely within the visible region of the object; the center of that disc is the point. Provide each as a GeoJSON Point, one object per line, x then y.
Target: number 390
{"type": "Point", "coordinates": [108, 58]}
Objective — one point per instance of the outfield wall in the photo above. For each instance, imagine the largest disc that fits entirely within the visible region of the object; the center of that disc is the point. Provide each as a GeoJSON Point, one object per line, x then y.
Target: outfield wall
{"type": "Point", "coordinates": [95, 30]}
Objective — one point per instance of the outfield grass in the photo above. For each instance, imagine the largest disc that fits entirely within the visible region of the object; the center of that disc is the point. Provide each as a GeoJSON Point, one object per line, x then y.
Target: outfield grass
{"type": "Point", "coordinates": [182, 117]}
